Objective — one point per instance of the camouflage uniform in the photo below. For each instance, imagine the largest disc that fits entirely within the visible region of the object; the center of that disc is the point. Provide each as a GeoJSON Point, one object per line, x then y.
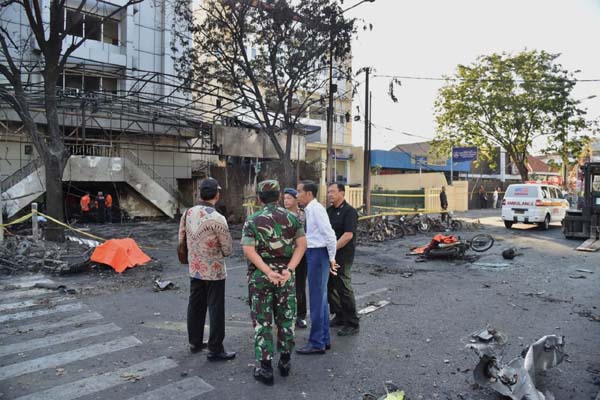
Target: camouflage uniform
{"type": "Point", "coordinates": [273, 232]}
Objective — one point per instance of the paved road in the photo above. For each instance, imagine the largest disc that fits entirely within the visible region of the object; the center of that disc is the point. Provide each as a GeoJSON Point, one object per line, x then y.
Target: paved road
{"type": "Point", "coordinates": [118, 339]}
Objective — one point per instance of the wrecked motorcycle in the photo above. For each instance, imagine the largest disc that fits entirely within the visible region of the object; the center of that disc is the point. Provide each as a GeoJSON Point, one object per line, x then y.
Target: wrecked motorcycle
{"type": "Point", "coordinates": [451, 247]}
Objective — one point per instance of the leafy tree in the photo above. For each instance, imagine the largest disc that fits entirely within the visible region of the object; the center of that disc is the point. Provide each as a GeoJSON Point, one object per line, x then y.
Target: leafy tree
{"type": "Point", "coordinates": [19, 65]}
{"type": "Point", "coordinates": [271, 56]}
{"type": "Point", "coordinates": [504, 100]}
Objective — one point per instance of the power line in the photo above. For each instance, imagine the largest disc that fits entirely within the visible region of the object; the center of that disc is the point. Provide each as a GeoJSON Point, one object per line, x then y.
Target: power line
{"type": "Point", "coordinates": [444, 79]}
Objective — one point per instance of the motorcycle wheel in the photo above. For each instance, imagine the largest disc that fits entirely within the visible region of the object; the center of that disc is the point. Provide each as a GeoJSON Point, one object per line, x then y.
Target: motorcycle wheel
{"type": "Point", "coordinates": [482, 242]}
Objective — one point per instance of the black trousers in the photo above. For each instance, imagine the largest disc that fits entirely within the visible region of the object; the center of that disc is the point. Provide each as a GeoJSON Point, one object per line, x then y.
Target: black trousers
{"type": "Point", "coordinates": [207, 295]}
{"type": "Point", "coordinates": [301, 288]}
{"type": "Point", "coordinates": [341, 296]}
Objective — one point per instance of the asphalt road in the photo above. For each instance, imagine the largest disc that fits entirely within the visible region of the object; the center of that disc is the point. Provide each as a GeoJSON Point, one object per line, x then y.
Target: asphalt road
{"type": "Point", "coordinates": [118, 339]}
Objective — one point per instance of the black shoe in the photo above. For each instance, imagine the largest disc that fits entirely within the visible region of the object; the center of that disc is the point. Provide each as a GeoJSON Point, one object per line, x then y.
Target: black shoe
{"type": "Point", "coordinates": [348, 331]}
{"type": "Point", "coordinates": [264, 373]}
{"type": "Point", "coordinates": [327, 347]}
{"type": "Point", "coordinates": [284, 367]}
{"type": "Point", "coordinates": [301, 323]}
{"type": "Point", "coordinates": [336, 321]}
{"type": "Point", "coordinates": [308, 349]}
{"type": "Point", "coordinates": [222, 356]}
{"type": "Point", "coordinates": [197, 349]}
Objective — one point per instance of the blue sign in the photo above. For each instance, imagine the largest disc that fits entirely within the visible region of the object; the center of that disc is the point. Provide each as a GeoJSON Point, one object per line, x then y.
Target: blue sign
{"type": "Point", "coordinates": [420, 161]}
{"type": "Point", "coordinates": [461, 154]}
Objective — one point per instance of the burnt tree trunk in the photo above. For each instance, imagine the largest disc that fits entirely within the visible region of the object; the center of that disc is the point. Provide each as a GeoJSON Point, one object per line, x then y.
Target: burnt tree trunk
{"type": "Point", "coordinates": [54, 156]}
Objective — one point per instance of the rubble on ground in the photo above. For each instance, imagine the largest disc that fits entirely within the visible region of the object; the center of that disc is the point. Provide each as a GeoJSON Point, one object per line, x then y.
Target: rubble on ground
{"type": "Point", "coordinates": [515, 379]}
{"type": "Point", "coordinates": [23, 254]}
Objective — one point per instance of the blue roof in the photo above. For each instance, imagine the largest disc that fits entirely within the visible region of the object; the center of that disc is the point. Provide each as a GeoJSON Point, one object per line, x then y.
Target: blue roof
{"type": "Point", "coordinates": [404, 160]}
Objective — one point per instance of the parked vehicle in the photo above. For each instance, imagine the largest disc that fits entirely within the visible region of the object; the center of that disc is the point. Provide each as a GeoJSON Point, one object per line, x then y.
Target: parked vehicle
{"type": "Point", "coordinates": [533, 203]}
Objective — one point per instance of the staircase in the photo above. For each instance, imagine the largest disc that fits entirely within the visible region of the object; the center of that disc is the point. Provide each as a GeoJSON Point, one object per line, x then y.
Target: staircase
{"type": "Point", "coordinates": [23, 187]}
{"type": "Point", "coordinates": [27, 183]}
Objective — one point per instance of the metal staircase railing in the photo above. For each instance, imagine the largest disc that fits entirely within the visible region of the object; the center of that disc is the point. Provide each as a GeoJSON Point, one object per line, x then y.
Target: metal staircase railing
{"type": "Point", "coordinates": [148, 170]}
{"type": "Point", "coordinates": [20, 174]}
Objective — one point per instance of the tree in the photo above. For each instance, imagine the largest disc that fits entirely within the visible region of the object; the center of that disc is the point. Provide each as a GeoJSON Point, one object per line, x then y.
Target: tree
{"type": "Point", "coordinates": [47, 33]}
{"type": "Point", "coordinates": [507, 101]}
{"type": "Point", "coordinates": [271, 56]}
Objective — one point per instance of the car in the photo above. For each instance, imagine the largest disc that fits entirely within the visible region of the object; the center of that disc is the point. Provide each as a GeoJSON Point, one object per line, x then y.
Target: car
{"type": "Point", "coordinates": [533, 203]}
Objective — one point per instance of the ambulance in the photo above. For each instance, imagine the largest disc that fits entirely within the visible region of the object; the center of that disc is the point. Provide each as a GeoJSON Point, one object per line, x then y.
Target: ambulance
{"type": "Point", "coordinates": [533, 203]}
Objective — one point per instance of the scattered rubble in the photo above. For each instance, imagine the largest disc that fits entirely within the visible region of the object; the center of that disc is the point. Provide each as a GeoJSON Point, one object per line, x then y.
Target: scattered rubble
{"type": "Point", "coordinates": [22, 254]}
{"type": "Point", "coordinates": [392, 392]}
{"type": "Point", "coordinates": [160, 285]}
{"type": "Point", "coordinates": [515, 379]}
{"type": "Point", "coordinates": [373, 307]}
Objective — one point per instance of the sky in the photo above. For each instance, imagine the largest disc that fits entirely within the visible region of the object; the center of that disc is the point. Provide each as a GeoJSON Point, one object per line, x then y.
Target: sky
{"type": "Point", "coordinates": [429, 38]}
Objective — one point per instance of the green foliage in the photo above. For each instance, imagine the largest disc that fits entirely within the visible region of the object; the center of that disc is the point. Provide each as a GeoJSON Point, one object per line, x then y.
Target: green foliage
{"type": "Point", "coordinates": [504, 100]}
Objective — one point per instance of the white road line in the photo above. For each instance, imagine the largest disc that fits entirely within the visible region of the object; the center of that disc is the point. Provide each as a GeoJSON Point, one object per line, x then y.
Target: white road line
{"type": "Point", "coordinates": [25, 284]}
{"type": "Point", "coordinates": [44, 326]}
{"type": "Point", "coordinates": [32, 303]}
{"type": "Point", "coordinates": [37, 313]}
{"type": "Point", "coordinates": [185, 389]}
{"type": "Point", "coordinates": [67, 357]}
{"type": "Point", "coordinates": [372, 292]}
{"type": "Point", "coordinates": [20, 279]}
{"type": "Point", "coordinates": [47, 341]}
{"type": "Point", "coordinates": [94, 384]}
{"type": "Point", "coordinates": [17, 294]}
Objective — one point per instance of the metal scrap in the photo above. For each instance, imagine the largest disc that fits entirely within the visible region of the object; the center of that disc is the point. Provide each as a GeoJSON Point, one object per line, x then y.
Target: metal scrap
{"type": "Point", "coordinates": [373, 307]}
{"type": "Point", "coordinates": [160, 285]}
{"type": "Point", "coordinates": [515, 379]}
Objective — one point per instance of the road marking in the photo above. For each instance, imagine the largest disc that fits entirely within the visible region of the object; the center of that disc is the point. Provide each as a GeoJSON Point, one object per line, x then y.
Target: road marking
{"type": "Point", "coordinates": [38, 313]}
{"type": "Point", "coordinates": [185, 389]}
{"type": "Point", "coordinates": [25, 283]}
{"type": "Point", "coordinates": [47, 341]}
{"type": "Point", "coordinates": [94, 384]}
{"type": "Point", "coordinates": [372, 292]}
{"type": "Point", "coordinates": [43, 326]}
{"type": "Point", "coordinates": [32, 303]}
{"type": "Point", "coordinates": [22, 279]}
{"type": "Point", "coordinates": [181, 326]}
{"type": "Point", "coordinates": [38, 364]}
{"type": "Point", "coordinates": [17, 294]}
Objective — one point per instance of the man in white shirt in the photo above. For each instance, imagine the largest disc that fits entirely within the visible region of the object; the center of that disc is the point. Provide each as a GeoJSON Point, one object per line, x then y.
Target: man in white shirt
{"type": "Point", "coordinates": [320, 257]}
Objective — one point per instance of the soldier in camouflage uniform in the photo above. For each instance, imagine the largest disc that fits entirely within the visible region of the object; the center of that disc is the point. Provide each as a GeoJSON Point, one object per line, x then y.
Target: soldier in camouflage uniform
{"type": "Point", "coordinates": [274, 243]}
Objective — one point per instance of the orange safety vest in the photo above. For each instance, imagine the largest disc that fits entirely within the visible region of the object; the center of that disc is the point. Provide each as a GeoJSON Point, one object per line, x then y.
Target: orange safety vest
{"type": "Point", "coordinates": [108, 201]}
{"type": "Point", "coordinates": [85, 203]}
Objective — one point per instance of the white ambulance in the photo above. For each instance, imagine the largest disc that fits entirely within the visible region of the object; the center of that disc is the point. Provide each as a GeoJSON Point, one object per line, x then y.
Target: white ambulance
{"type": "Point", "coordinates": [533, 203]}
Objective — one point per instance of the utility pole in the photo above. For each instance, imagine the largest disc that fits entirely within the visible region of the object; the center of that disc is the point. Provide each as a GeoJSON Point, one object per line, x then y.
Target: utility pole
{"type": "Point", "coordinates": [332, 89]}
{"type": "Point", "coordinates": [367, 149]}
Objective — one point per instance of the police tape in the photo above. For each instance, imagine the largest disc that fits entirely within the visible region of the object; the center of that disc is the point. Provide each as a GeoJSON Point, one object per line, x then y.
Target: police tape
{"type": "Point", "coordinates": [71, 228]}
{"type": "Point", "coordinates": [17, 221]}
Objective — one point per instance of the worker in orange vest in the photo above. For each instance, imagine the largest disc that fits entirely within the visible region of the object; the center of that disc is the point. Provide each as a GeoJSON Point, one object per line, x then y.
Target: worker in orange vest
{"type": "Point", "coordinates": [84, 203]}
{"type": "Point", "coordinates": [108, 201]}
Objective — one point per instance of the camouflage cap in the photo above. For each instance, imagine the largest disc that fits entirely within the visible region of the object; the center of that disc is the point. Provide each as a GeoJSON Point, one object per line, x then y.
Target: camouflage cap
{"type": "Point", "coordinates": [270, 185]}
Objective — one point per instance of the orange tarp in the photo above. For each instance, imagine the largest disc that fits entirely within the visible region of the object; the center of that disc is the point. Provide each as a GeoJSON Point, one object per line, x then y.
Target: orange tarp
{"type": "Point", "coordinates": [120, 254]}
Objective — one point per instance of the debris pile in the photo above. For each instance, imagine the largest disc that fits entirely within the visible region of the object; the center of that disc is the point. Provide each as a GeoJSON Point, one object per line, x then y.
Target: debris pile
{"type": "Point", "coordinates": [22, 254]}
{"type": "Point", "coordinates": [517, 378]}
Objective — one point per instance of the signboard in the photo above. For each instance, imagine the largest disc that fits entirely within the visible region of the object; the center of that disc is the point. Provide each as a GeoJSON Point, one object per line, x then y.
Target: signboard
{"type": "Point", "coordinates": [420, 161]}
{"type": "Point", "coordinates": [461, 154]}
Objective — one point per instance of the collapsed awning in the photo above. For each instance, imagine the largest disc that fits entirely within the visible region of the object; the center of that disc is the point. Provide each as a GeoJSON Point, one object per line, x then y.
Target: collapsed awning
{"type": "Point", "coordinates": [120, 254]}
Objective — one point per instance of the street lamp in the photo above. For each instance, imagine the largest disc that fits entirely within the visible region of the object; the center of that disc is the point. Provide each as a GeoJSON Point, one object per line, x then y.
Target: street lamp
{"type": "Point", "coordinates": [329, 164]}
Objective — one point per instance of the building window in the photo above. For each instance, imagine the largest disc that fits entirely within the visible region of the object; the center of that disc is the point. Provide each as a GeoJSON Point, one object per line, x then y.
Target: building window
{"type": "Point", "coordinates": [91, 83]}
{"type": "Point", "coordinates": [93, 27]}
{"type": "Point", "coordinates": [28, 150]}
{"type": "Point", "coordinates": [111, 32]}
{"type": "Point", "coordinates": [73, 81]}
{"type": "Point", "coordinates": [74, 23]}
{"type": "Point", "coordinates": [110, 85]}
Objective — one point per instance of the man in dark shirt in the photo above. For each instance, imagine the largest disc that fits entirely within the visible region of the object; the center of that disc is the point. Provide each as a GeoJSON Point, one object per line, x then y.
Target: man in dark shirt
{"type": "Point", "coordinates": [343, 218]}
{"type": "Point", "coordinates": [443, 202]}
